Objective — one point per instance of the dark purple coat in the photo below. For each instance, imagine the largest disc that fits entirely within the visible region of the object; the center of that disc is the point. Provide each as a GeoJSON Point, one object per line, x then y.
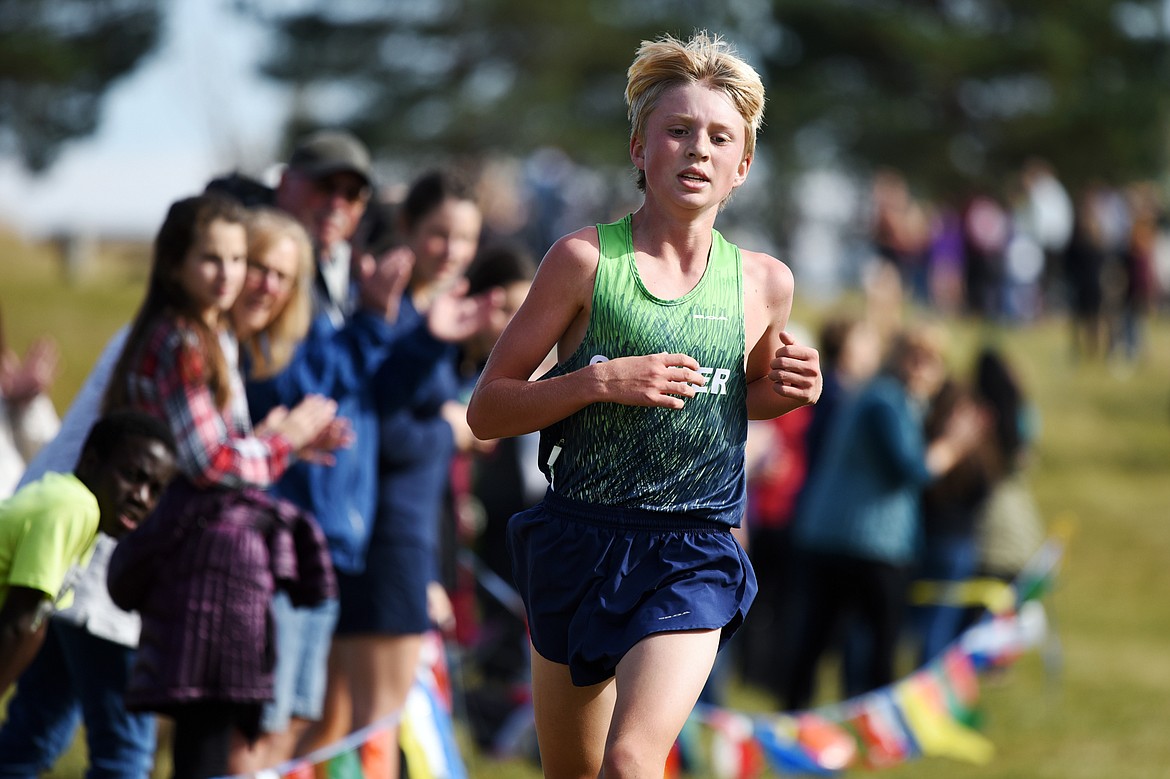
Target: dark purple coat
{"type": "Point", "coordinates": [201, 571]}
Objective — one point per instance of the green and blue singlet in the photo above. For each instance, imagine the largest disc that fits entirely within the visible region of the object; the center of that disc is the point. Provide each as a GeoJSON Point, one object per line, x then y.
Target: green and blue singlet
{"type": "Point", "coordinates": [688, 461]}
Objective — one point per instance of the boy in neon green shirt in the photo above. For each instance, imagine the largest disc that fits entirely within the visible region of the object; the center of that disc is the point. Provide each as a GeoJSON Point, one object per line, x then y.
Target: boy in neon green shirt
{"type": "Point", "coordinates": [51, 525]}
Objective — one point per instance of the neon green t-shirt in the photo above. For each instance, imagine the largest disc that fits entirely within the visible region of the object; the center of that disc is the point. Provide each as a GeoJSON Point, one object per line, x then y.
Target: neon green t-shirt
{"type": "Point", "coordinates": [45, 529]}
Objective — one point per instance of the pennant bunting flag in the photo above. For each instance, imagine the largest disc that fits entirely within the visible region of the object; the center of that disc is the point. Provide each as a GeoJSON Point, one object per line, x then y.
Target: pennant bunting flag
{"type": "Point", "coordinates": [673, 763]}
{"type": "Point", "coordinates": [999, 640]}
{"type": "Point", "coordinates": [922, 702]}
{"type": "Point", "coordinates": [963, 685]}
{"type": "Point", "coordinates": [996, 596]}
{"type": "Point", "coordinates": [1039, 573]}
{"type": "Point", "coordinates": [378, 754]}
{"type": "Point", "coordinates": [884, 738]}
{"type": "Point", "coordinates": [427, 733]}
{"type": "Point", "coordinates": [779, 737]}
{"type": "Point", "coordinates": [735, 753]}
{"type": "Point", "coordinates": [831, 745]}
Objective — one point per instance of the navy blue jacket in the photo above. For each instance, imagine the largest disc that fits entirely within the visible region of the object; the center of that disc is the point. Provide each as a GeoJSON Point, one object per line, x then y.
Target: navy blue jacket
{"type": "Point", "coordinates": [342, 363]}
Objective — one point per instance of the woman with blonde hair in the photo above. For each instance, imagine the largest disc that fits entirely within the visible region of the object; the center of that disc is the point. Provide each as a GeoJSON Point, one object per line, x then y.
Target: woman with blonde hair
{"type": "Point", "coordinates": [271, 317]}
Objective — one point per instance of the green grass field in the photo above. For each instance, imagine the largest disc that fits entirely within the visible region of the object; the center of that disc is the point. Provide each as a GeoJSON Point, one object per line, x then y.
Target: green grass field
{"type": "Point", "coordinates": [1103, 463]}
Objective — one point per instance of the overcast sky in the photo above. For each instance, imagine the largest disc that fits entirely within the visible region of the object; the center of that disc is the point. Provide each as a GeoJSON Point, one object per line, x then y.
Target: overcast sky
{"type": "Point", "coordinates": [194, 108]}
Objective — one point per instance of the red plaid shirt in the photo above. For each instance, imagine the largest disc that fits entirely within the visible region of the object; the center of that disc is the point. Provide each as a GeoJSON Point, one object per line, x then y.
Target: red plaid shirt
{"type": "Point", "coordinates": [216, 446]}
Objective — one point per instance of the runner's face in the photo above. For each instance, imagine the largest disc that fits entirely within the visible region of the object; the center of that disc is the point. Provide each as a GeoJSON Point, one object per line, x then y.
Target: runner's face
{"type": "Point", "coordinates": [692, 149]}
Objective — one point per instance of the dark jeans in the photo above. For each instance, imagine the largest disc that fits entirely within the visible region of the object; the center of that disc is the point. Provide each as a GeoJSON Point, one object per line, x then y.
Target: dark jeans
{"type": "Point", "coordinates": [871, 597]}
{"type": "Point", "coordinates": [76, 676]}
{"type": "Point", "coordinates": [947, 558]}
{"type": "Point", "coordinates": [766, 640]}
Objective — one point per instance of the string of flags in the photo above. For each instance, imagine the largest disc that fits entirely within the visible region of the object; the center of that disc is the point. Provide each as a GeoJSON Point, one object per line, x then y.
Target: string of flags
{"type": "Point", "coordinates": [933, 712]}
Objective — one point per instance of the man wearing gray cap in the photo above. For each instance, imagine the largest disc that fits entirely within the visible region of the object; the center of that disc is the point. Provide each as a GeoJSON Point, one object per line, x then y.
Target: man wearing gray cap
{"type": "Point", "coordinates": [326, 186]}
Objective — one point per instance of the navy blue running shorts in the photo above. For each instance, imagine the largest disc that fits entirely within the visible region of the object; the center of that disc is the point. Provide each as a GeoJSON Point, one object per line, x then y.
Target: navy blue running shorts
{"type": "Point", "coordinates": [594, 584]}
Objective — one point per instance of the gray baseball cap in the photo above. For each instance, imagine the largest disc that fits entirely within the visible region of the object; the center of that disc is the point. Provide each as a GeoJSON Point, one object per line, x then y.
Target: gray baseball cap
{"type": "Point", "coordinates": [331, 151]}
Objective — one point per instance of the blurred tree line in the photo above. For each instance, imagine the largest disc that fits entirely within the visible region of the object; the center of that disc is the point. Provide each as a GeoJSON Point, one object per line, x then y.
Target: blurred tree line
{"type": "Point", "coordinates": [57, 60]}
{"type": "Point", "coordinates": [955, 93]}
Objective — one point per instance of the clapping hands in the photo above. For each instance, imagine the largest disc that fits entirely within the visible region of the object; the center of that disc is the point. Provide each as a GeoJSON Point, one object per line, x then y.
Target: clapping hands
{"type": "Point", "coordinates": [23, 380]}
{"type": "Point", "coordinates": [312, 427]}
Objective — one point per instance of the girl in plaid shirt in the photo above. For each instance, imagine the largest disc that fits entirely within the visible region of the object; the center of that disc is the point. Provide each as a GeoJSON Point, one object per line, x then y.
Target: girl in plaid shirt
{"type": "Point", "coordinates": [180, 362]}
